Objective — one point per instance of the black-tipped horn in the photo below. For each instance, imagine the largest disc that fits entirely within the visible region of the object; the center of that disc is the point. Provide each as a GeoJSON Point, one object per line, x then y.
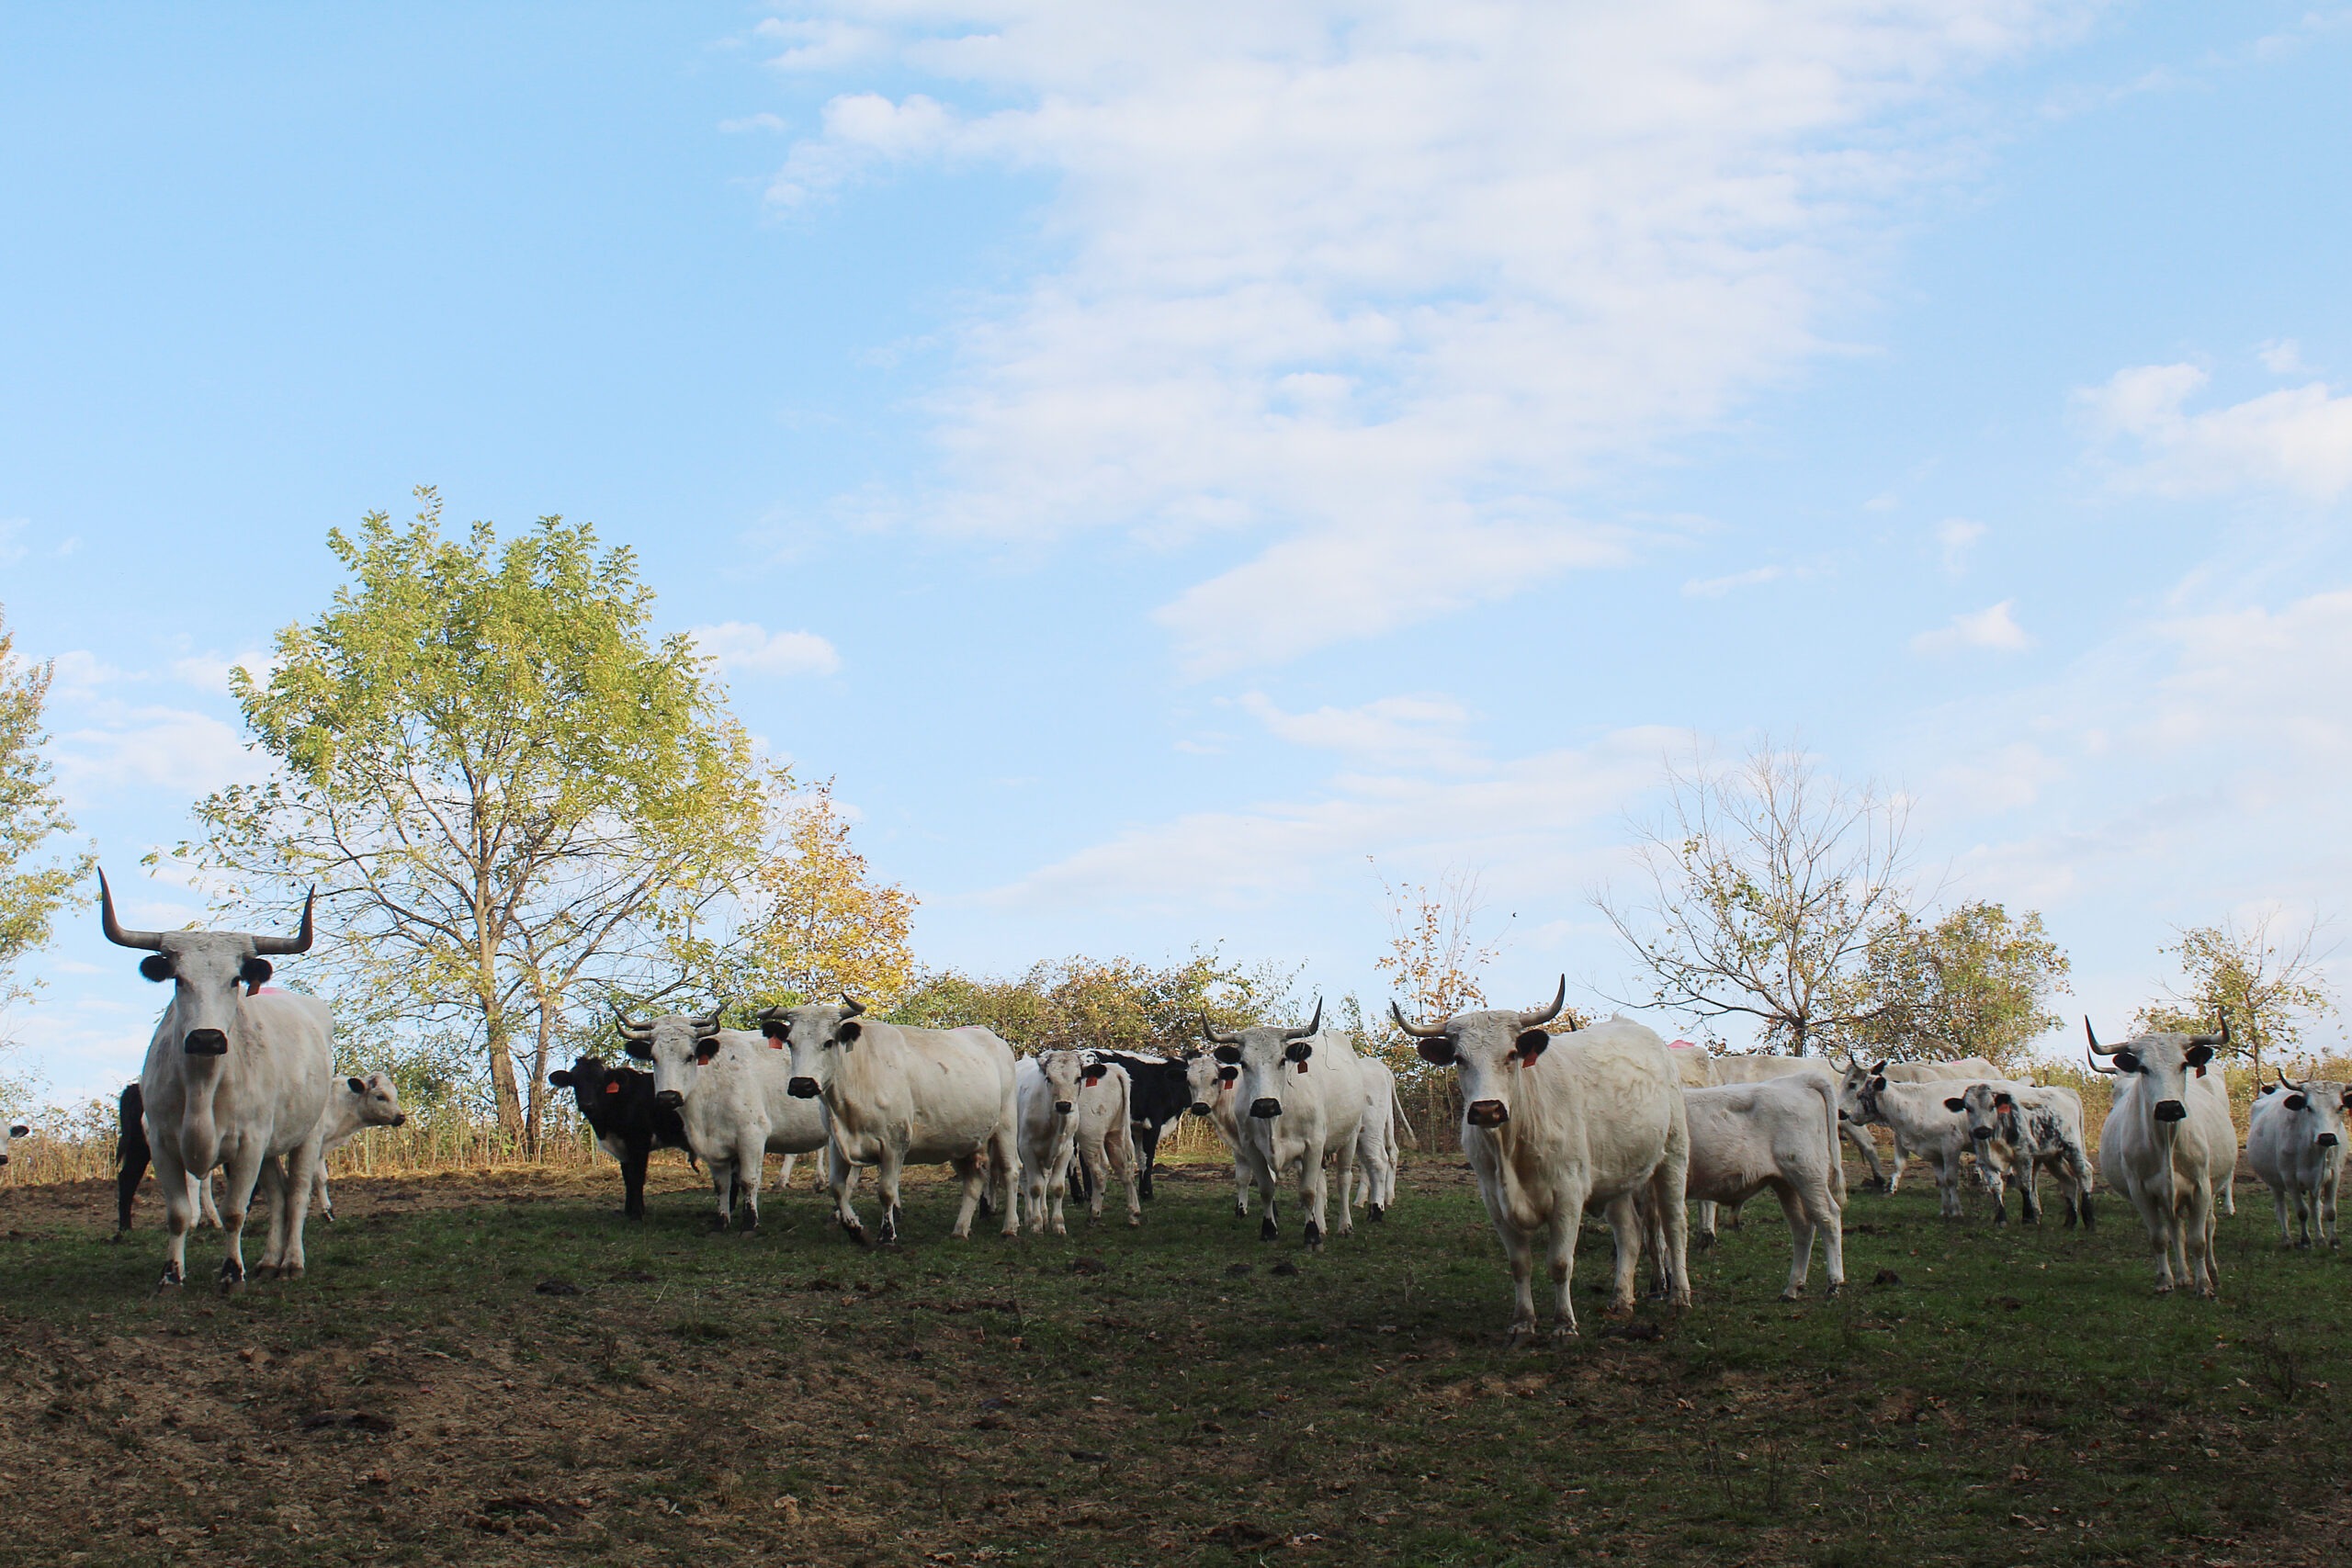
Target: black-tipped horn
{"type": "Point", "coordinates": [1417, 1031]}
{"type": "Point", "coordinates": [1313, 1024]}
{"type": "Point", "coordinates": [2097, 1068]}
{"type": "Point", "coordinates": [849, 1007]}
{"type": "Point", "coordinates": [301, 940]}
{"type": "Point", "coordinates": [152, 942]}
{"type": "Point", "coordinates": [2096, 1049]}
{"type": "Point", "coordinates": [1214, 1038]}
{"type": "Point", "coordinates": [1529, 1018]}
{"type": "Point", "coordinates": [630, 1028]}
{"type": "Point", "coordinates": [707, 1022]}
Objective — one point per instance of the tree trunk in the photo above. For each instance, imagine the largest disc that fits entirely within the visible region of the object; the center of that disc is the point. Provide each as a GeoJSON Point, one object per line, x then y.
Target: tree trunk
{"type": "Point", "coordinates": [536, 1123]}
{"type": "Point", "coordinates": [502, 1074]}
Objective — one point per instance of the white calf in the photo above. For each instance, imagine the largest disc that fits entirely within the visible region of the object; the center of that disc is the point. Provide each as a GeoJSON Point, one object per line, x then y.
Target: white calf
{"type": "Point", "coordinates": [2295, 1143]}
{"type": "Point", "coordinates": [1782, 1134]}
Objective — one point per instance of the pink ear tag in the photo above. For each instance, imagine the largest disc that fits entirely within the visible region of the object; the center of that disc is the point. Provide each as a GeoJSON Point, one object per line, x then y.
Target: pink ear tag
{"type": "Point", "coordinates": [1302, 1068]}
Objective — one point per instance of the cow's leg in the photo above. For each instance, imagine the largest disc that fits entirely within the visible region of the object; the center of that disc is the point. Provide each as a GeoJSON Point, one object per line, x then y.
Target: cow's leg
{"type": "Point", "coordinates": [1120, 1146]}
{"type": "Point", "coordinates": [244, 1171]}
{"type": "Point", "coordinates": [2198, 1234]}
{"type": "Point", "coordinates": [1795, 1209]}
{"type": "Point", "coordinates": [1263, 1173]}
{"type": "Point", "coordinates": [136, 1157]}
{"type": "Point", "coordinates": [1517, 1248]}
{"type": "Point", "coordinates": [1240, 1190]}
{"type": "Point", "coordinates": [1347, 1174]}
{"type": "Point", "coordinates": [2286, 1224]}
{"type": "Point", "coordinates": [2327, 1207]}
{"type": "Point", "coordinates": [179, 1211]}
{"type": "Point", "coordinates": [1854, 1133]}
{"type": "Point", "coordinates": [1147, 1137]}
{"type": "Point", "coordinates": [751, 1157]}
{"type": "Point", "coordinates": [839, 1169]}
{"type": "Point", "coordinates": [293, 1200]}
{"type": "Point", "coordinates": [2229, 1194]}
{"type": "Point", "coordinates": [722, 1167]}
{"type": "Point", "coordinates": [2029, 1193]}
{"type": "Point", "coordinates": [974, 1169]}
{"type": "Point", "coordinates": [1314, 1195]}
{"type": "Point", "coordinates": [1668, 1182]}
{"type": "Point", "coordinates": [886, 1171]}
{"type": "Point", "coordinates": [1995, 1184]}
{"type": "Point", "coordinates": [1004, 1158]}
{"type": "Point", "coordinates": [211, 1210]}
{"type": "Point", "coordinates": [633, 1160]}
{"type": "Point", "coordinates": [1098, 1176]}
{"type": "Point", "coordinates": [1706, 1237]}
{"type": "Point", "coordinates": [783, 1173]}
{"type": "Point", "coordinates": [318, 1190]}
{"type": "Point", "coordinates": [1948, 1188]}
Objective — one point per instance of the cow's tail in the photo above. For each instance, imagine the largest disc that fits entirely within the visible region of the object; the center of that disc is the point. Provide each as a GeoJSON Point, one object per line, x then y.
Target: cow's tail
{"type": "Point", "coordinates": [1396, 1108]}
{"type": "Point", "coordinates": [1829, 1093]}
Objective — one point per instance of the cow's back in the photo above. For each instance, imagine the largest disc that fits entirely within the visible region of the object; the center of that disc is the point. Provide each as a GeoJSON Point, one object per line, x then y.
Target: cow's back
{"type": "Point", "coordinates": [1625, 1094]}
{"type": "Point", "coordinates": [1763, 1069]}
{"type": "Point", "coordinates": [1974, 1069]}
{"type": "Point", "coordinates": [958, 1085]}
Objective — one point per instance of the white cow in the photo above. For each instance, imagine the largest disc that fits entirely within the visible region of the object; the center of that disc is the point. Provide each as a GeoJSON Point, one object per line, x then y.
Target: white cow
{"type": "Point", "coordinates": [2168, 1145]}
{"type": "Point", "coordinates": [1376, 1143]}
{"type": "Point", "coordinates": [354, 1105]}
{"type": "Point", "coordinates": [1300, 1101]}
{"type": "Point", "coordinates": [1964, 1070]}
{"type": "Point", "coordinates": [1600, 1120]}
{"type": "Point", "coordinates": [2020, 1132]}
{"type": "Point", "coordinates": [1761, 1067]}
{"type": "Point", "coordinates": [897, 1097]}
{"type": "Point", "coordinates": [732, 1092]}
{"type": "Point", "coordinates": [232, 1078]}
{"type": "Point", "coordinates": [1922, 1123]}
{"type": "Point", "coordinates": [1780, 1133]}
{"type": "Point", "coordinates": [16, 1130]}
{"type": "Point", "coordinates": [1074, 1113]}
{"type": "Point", "coordinates": [2295, 1143]}
{"type": "Point", "coordinates": [1212, 1084]}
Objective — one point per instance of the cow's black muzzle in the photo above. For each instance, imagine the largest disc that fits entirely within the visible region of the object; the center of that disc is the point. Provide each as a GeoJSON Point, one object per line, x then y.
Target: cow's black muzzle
{"type": "Point", "coordinates": [206, 1043]}
{"type": "Point", "coordinates": [2170, 1111]}
{"type": "Point", "coordinates": [1062, 1108]}
{"type": "Point", "coordinates": [669, 1097]}
{"type": "Point", "coordinates": [1981, 1135]}
{"type": "Point", "coordinates": [1200, 1108]}
{"type": "Point", "coordinates": [803, 1088]}
{"type": "Point", "coordinates": [1266, 1110]}
{"type": "Point", "coordinates": [2327, 1140]}
{"type": "Point", "coordinates": [1487, 1113]}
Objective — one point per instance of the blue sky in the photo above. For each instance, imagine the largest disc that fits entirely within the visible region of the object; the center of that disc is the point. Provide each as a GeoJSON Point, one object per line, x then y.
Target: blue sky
{"type": "Point", "coordinates": [1156, 459]}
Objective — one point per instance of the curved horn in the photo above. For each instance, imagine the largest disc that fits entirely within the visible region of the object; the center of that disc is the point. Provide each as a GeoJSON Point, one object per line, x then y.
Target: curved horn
{"type": "Point", "coordinates": [707, 1022]}
{"type": "Point", "coordinates": [300, 942]}
{"type": "Point", "coordinates": [1534, 1016]}
{"type": "Point", "coordinates": [152, 942]}
{"type": "Point", "coordinates": [2096, 1049]}
{"type": "Point", "coordinates": [630, 1028]}
{"type": "Point", "coordinates": [2097, 1068]}
{"type": "Point", "coordinates": [849, 1007]}
{"type": "Point", "coordinates": [1214, 1038]}
{"type": "Point", "coordinates": [1415, 1030]}
{"type": "Point", "coordinates": [1313, 1024]}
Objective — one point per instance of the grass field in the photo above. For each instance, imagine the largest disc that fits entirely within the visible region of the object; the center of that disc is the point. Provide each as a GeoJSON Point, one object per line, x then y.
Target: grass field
{"type": "Point", "coordinates": [502, 1370]}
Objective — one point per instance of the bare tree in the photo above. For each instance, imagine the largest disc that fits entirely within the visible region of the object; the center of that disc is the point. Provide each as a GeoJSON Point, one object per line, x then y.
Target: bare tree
{"type": "Point", "coordinates": [1765, 882]}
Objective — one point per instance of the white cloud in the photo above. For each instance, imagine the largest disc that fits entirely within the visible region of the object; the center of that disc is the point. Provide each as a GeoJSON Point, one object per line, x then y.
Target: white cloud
{"type": "Point", "coordinates": [1716, 587]}
{"type": "Point", "coordinates": [209, 671]}
{"type": "Point", "coordinates": [1379, 288]}
{"type": "Point", "coordinates": [79, 673]}
{"type": "Point", "coordinates": [1957, 538]}
{"type": "Point", "coordinates": [753, 122]}
{"type": "Point", "coordinates": [1407, 731]}
{"type": "Point", "coordinates": [1543, 822]}
{"type": "Point", "coordinates": [187, 754]}
{"type": "Point", "coordinates": [2282, 357]}
{"type": "Point", "coordinates": [818, 44]}
{"type": "Point", "coordinates": [2298, 440]}
{"type": "Point", "coordinates": [1994, 627]}
{"type": "Point", "coordinates": [741, 648]}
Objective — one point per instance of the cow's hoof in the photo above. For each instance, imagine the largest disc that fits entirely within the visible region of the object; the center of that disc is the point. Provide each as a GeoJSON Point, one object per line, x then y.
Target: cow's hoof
{"type": "Point", "coordinates": [1792, 1294]}
{"type": "Point", "coordinates": [117, 1236]}
{"type": "Point", "coordinates": [1266, 1231]}
{"type": "Point", "coordinates": [171, 1279]}
{"type": "Point", "coordinates": [1619, 1312]}
{"type": "Point", "coordinates": [719, 1225]}
{"type": "Point", "coordinates": [1241, 1210]}
{"type": "Point", "coordinates": [1134, 1220]}
{"type": "Point", "coordinates": [1057, 1228]}
{"type": "Point", "coordinates": [1703, 1241]}
{"type": "Point", "coordinates": [1564, 1331]}
{"type": "Point", "coordinates": [327, 1214]}
{"type": "Point", "coordinates": [1836, 1287]}
{"type": "Point", "coordinates": [1518, 1334]}
{"type": "Point", "coordinates": [1313, 1236]}
{"type": "Point", "coordinates": [231, 1271]}
{"type": "Point", "coordinates": [857, 1232]}
{"type": "Point", "coordinates": [1373, 1214]}
{"type": "Point", "coordinates": [289, 1270]}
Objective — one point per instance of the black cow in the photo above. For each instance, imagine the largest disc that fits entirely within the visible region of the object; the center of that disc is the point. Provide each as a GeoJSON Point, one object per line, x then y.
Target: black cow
{"type": "Point", "coordinates": [130, 1151]}
{"type": "Point", "coordinates": [617, 1103]}
{"type": "Point", "coordinates": [1158, 1092]}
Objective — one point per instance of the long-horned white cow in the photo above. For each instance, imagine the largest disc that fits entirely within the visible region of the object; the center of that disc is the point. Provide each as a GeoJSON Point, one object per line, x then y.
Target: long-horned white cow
{"type": "Point", "coordinates": [899, 1095]}
{"type": "Point", "coordinates": [733, 1095]}
{"type": "Point", "coordinates": [1212, 1083]}
{"type": "Point", "coordinates": [2019, 1131]}
{"type": "Point", "coordinates": [2295, 1142]}
{"type": "Point", "coordinates": [2167, 1144]}
{"type": "Point", "coordinates": [1601, 1119]}
{"type": "Point", "coordinates": [1300, 1100]}
{"type": "Point", "coordinates": [1780, 1133]}
{"type": "Point", "coordinates": [233, 1078]}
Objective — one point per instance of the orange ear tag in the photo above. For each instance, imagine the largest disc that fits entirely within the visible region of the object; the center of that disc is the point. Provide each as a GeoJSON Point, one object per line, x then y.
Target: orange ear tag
{"type": "Point", "coordinates": [612, 1088]}
{"type": "Point", "coordinates": [1302, 1068]}
{"type": "Point", "coordinates": [775, 1044]}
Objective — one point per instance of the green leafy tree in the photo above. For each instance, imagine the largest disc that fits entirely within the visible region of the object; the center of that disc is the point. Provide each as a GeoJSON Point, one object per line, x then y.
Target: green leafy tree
{"type": "Point", "coordinates": [34, 883]}
{"type": "Point", "coordinates": [1765, 881]}
{"type": "Point", "coordinates": [1976, 982]}
{"type": "Point", "coordinates": [2269, 984]}
{"type": "Point", "coordinates": [510, 795]}
{"type": "Point", "coordinates": [1112, 1004]}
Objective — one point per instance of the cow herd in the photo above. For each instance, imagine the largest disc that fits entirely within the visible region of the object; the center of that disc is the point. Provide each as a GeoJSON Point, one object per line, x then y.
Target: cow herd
{"type": "Point", "coordinates": [1606, 1120]}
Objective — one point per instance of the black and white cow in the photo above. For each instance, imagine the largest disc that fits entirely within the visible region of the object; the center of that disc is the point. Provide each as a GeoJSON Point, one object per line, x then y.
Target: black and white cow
{"type": "Point", "coordinates": [617, 1103]}
{"type": "Point", "coordinates": [1158, 1092]}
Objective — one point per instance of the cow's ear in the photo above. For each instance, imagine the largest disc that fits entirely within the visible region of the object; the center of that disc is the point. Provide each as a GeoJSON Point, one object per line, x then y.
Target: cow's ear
{"type": "Point", "coordinates": [1955, 1105]}
{"type": "Point", "coordinates": [640, 1049]}
{"type": "Point", "coordinates": [2345, 1099]}
{"type": "Point", "coordinates": [1297, 1051]}
{"type": "Point", "coordinates": [1439, 1050]}
{"type": "Point", "coordinates": [705, 1049]}
{"type": "Point", "coordinates": [1228, 1055]}
{"type": "Point", "coordinates": [561, 1077]}
{"type": "Point", "coordinates": [2004, 1101]}
{"type": "Point", "coordinates": [1530, 1044]}
{"type": "Point", "coordinates": [1877, 1084]}
{"type": "Point", "coordinates": [847, 1030]}
{"type": "Point", "coordinates": [255, 972]}
{"type": "Point", "coordinates": [2127, 1059]}
{"type": "Point", "coordinates": [1879, 1071]}
{"type": "Point", "coordinates": [2296, 1103]}
{"type": "Point", "coordinates": [1226, 1075]}
{"type": "Point", "coordinates": [356, 1086]}
{"type": "Point", "coordinates": [2197, 1056]}
{"type": "Point", "coordinates": [774, 1029]}
{"type": "Point", "coordinates": [156, 966]}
